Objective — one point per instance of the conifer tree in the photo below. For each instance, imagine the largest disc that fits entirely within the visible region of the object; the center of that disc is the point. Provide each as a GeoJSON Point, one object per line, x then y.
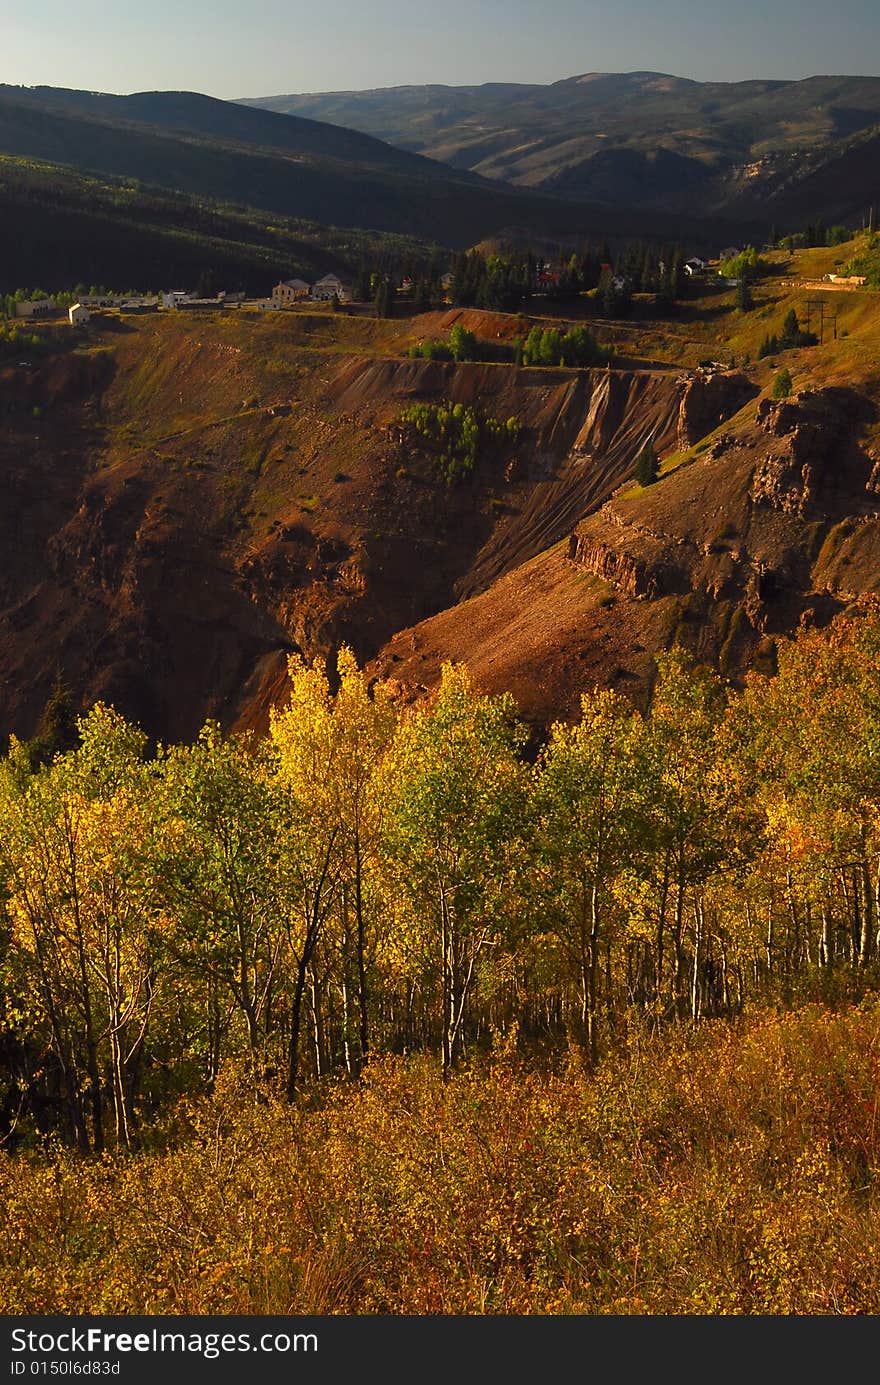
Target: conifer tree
{"type": "Point", "coordinates": [647, 465]}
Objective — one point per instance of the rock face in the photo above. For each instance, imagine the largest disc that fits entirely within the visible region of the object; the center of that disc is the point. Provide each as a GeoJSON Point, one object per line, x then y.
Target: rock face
{"type": "Point", "coordinates": [810, 454]}
{"type": "Point", "coordinates": [710, 398]}
{"type": "Point", "coordinates": [67, 378]}
{"type": "Point", "coordinates": [633, 575]}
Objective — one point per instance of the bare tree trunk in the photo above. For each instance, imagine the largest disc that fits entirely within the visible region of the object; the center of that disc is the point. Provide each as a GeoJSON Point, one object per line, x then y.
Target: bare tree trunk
{"type": "Point", "coordinates": [317, 1046]}
{"type": "Point", "coordinates": [363, 997]}
{"type": "Point", "coordinates": [866, 938]}
{"type": "Point", "coordinates": [592, 975]}
{"type": "Point", "coordinates": [346, 1043]}
{"type": "Point", "coordinates": [698, 960]}
{"type": "Point", "coordinates": [661, 923]}
{"type": "Point", "coordinates": [826, 946]}
{"type": "Point", "coordinates": [446, 947]}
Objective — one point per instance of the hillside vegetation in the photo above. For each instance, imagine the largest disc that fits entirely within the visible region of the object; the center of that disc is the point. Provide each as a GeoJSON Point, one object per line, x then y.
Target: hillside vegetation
{"type": "Point", "coordinates": [191, 937]}
{"type": "Point", "coordinates": [459, 889]}
{"type": "Point", "coordinates": [60, 228]}
{"type": "Point", "coordinates": [732, 1170]}
{"type": "Point", "coordinates": [760, 149]}
{"type": "Point", "coordinates": [286, 166]}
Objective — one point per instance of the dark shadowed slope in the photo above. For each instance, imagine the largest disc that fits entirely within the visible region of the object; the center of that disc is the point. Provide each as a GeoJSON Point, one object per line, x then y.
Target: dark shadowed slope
{"type": "Point", "coordinates": [292, 167]}
{"type": "Point", "coordinates": [639, 138]}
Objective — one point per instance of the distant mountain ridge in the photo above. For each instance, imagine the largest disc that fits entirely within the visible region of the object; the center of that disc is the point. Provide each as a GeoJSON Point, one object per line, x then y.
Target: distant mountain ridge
{"type": "Point", "coordinates": [294, 167]}
{"type": "Point", "coordinates": [639, 138]}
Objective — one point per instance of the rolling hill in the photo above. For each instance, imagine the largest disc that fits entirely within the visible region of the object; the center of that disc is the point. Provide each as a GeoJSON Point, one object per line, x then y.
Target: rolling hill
{"type": "Point", "coordinates": [639, 138]}
{"type": "Point", "coordinates": [60, 227]}
{"type": "Point", "coordinates": [295, 167]}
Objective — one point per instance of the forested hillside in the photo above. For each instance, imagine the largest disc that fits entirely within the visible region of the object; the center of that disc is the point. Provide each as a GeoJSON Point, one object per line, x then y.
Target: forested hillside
{"type": "Point", "coordinates": [197, 942]}
{"type": "Point", "coordinates": [60, 227]}
{"type": "Point", "coordinates": [782, 150]}
{"type": "Point", "coordinates": [288, 167]}
{"type": "Point", "coordinates": [368, 881]}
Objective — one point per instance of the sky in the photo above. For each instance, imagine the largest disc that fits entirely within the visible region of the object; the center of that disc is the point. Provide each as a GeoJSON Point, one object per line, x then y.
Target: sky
{"type": "Point", "coordinates": [274, 47]}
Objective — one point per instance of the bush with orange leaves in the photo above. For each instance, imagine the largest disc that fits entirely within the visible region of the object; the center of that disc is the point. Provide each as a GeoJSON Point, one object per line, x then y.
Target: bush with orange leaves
{"type": "Point", "coordinates": [728, 1169]}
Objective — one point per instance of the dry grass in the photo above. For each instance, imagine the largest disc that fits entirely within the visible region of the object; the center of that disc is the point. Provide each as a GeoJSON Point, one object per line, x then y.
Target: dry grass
{"type": "Point", "coordinates": [729, 1170]}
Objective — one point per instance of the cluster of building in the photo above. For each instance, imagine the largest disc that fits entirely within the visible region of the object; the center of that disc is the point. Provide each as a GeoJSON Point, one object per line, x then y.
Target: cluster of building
{"type": "Point", "coordinates": [285, 294]}
{"type": "Point", "coordinates": [36, 308]}
{"type": "Point", "coordinates": [179, 298]}
{"type": "Point", "coordinates": [291, 291]}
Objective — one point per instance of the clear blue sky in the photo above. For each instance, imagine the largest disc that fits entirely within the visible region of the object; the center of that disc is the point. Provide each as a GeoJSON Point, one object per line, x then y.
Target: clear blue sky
{"type": "Point", "coordinates": [269, 47]}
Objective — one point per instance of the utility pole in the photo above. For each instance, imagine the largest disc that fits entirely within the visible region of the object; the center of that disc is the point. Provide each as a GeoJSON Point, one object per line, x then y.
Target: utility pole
{"type": "Point", "coordinates": [817, 305]}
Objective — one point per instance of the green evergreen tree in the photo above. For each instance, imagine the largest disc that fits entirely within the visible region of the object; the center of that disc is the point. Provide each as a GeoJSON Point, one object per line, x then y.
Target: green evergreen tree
{"type": "Point", "coordinates": [362, 285]}
{"type": "Point", "coordinates": [744, 300]}
{"type": "Point", "coordinates": [383, 297]}
{"type": "Point", "coordinates": [647, 465]}
{"type": "Point", "coordinates": [58, 731]}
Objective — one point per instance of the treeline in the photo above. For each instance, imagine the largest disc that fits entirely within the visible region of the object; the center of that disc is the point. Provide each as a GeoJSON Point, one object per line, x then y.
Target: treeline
{"type": "Point", "coordinates": [414, 279]}
{"type": "Point", "coordinates": [792, 335]}
{"type": "Point", "coordinates": [502, 282]}
{"type": "Point", "coordinates": [815, 234]}
{"type": "Point", "coordinates": [545, 346]}
{"type": "Point", "coordinates": [368, 880]}
{"type": "Point", "coordinates": [60, 226]}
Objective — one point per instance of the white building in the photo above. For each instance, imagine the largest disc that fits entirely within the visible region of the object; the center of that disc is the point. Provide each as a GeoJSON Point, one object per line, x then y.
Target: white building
{"type": "Point", "coordinates": [331, 286]}
{"type": "Point", "coordinates": [78, 315]}
{"type": "Point", "coordinates": [175, 298]}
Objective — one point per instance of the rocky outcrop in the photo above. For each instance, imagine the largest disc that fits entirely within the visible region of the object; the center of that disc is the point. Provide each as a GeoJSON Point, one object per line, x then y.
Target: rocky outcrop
{"type": "Point", "coordinates": [784, 484]}
{"type": "Point", "coordinates": [64, 378]}
{"type": "Point", "coordinates": [810, 450]}
{"type": "Point", "coordinates": [632, 574]}
{"type": "Point", "coordinates": [709, 398]}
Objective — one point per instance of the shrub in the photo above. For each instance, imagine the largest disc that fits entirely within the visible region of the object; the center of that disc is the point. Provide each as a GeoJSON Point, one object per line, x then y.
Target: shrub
{"type": "Point", "coordinates": [791, 336]}
{"type": "Point", "coordinates": [732, 1171]}
{"type": "Point", "coordinates": [746, 265]}
{"type": "Point", "coordinates": [550, 347]}
{"type": "Point", "coordinates": [459, 433]}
